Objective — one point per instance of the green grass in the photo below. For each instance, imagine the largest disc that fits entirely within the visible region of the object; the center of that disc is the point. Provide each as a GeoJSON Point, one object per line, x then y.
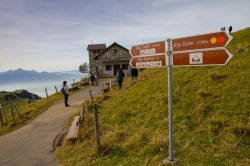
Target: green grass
{"type": "Point", "coordinates": [211, 117]}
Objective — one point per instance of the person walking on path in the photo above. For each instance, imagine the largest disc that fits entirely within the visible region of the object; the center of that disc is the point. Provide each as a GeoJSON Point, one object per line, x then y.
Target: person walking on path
{"type": "Point", "coordinates": [92, 78]}
{"type": "Point", "coordinates": [119, 77]}
{"type": "Point", "coordinates": [96, 77]}
{"type": "Point", "coordinates": [230, 28]}
{"type": "Point", "coordinates": [66, 93]}
{"type": "Point", "coordinates": [134, 73]}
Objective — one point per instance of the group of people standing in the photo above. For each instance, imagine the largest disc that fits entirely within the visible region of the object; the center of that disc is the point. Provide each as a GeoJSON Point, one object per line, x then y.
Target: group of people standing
{"type": "Point", "coordinates": [120, 75]}
{"type": "Point", "coordinates": [94, 77]}
{"type": "Point", "coordinates": [230, 29]}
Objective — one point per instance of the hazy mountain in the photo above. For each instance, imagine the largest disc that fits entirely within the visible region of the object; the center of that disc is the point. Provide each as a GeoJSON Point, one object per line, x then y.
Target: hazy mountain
{"type": "Point", "coordinates": [21, 75]}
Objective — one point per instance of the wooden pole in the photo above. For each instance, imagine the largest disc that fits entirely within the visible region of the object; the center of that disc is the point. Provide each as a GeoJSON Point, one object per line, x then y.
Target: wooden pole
{"type": "Point", "coordinates": [1, 117]}
{"type": "Point", "coordinates": [17, 109]}
{"type": "Point", "coordinates": [97, 133]}
{"type": "Point", "coordinates": [81, 121]}
{"type": "Point", "coordinates": [12, 113]}
{"type": "Point", "coordinates": [56, 90]}
{"type": "Point", "coordinates": [46, 93]}
{"type": "Point", "coordinates": [90, 92]}
{"type": "Point", "coordinates": [110, 85]}
{"type": "Point", "coordinates": [82, 115]}
{"type": "Point", "coordinates": [5, 116]}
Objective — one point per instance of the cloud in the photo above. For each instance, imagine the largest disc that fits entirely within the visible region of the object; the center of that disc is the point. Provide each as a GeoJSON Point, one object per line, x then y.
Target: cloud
{"type": "Point", "coordinates": [53, 35]}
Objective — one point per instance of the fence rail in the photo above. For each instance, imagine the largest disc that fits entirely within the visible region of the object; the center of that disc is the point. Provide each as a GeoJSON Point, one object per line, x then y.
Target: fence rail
{"type": "Point", "coordinates": [83, 82]}
{"type": "Point", "coordinates": [9, 112]}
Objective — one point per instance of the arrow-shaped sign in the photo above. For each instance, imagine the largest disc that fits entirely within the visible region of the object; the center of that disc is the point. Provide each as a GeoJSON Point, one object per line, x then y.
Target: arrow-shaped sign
{"type": "Point", "coordinates": [203, 58]}
{"type": "Point", "coordinates": [150, 55]}
{"type": "Point", "coordinates": [200, 50]}
{"type": "Point", "coordinates": [201, 42]}
{"type": "Point", "coordinates": [148, 61]}
{"type": "Point", "coordinates": [149, 49]}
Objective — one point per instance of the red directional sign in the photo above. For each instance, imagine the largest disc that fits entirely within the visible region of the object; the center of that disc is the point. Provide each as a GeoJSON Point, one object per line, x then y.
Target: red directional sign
{"type": "Point", "coordinates": [206, 41]}
{"type": "Point", "coordinates": [202, 58]}
{"type": "Point", "coordinates": [200, 50]}
{"type": "Point", "coordinates": [150, 55]}
{"type": "Point", "coordinates": [148, 49]}
{"type": "Point", "coordinates": [148, 61]}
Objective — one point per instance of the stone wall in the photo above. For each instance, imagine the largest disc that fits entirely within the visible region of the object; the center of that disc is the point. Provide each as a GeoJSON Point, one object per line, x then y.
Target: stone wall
{"type": "Point", "coordinates": [112, 57]}
{"type": "Point", "coordinates": [115, 56]}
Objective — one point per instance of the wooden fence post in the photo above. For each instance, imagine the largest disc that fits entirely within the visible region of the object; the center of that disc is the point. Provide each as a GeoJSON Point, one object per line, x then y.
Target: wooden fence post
{"type": "Point", "coordinates": [81, 122]}
{"type": "Point", "coordinates": [1, 117]}
{"type": "Point", "coordinates": [56, 90]}
{"type": "Point", "coordinates": [12, 113]}
{"type": "Point", "coordinates": [5, 117]}
{"type": "Point", "coordinates": [17, 108]}
{"type": "Point", "coordinates": [90, 92]}
{"type": "Point", "coordinates": [97, 133]}
{"type": "Point", "coordinates": [110, 85]}
{"type": "Point", "coordinates": [82, 116]}
{"type": "Point", "coordinates": [46, 93]}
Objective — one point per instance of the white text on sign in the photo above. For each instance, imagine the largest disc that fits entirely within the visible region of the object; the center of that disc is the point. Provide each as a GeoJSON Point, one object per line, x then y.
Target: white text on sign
{"type": "Point", "coordinates": [149, 64]}
{"type": "Point", "coordinates": [190, 43]}
{"type": "Point", "coordinates": [147, 51]}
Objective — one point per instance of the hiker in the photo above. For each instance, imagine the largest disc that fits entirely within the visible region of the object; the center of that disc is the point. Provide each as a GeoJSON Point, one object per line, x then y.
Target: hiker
{"type": "Point", "coordinates": [96, 78]}
{"type": "Point", "coordinates": [119, 77]}
{"type": "Point", "coordinates": [223, 29]}
{"type": "Point", "coordinates": [230, 28]}
{"type": "Point", "coordinates": [92, 78]}
{"type": "Point", "coordinates": [65, 91]}
{"type": "Point", "coordinates": [134, 73]}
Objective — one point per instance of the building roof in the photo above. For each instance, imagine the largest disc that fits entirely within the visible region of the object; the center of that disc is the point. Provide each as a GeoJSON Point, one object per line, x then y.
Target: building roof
{"type": "Point", "coordinates": [92, 47]}
{"type": "Point", "coordinates": [109, 48]}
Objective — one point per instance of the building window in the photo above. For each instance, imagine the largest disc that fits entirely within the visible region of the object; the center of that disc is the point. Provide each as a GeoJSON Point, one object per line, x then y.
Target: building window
{"type": "Point", "coordinates": [108, 67]}
{"type": "Point", "coordinates": [94, 52]}
{"type": "Point", "coordinates": [115, 51]}
{"type": "Point", "coordinates": [125, 66]}
{"type": "Point", "coordinates": [97, 52]}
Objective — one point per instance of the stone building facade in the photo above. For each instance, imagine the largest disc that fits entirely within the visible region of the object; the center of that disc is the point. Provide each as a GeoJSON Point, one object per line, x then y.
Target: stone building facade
{"type": "Point", "coordinates": [108, 60]}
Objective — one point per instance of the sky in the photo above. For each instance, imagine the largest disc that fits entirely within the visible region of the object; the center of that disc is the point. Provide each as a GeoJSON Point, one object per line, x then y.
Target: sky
{"type": "Point", "coordinates": [53, 35]}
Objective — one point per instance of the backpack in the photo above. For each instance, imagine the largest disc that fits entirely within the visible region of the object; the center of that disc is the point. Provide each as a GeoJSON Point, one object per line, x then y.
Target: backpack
{"type": "Point", "coordinates": [62, 90]}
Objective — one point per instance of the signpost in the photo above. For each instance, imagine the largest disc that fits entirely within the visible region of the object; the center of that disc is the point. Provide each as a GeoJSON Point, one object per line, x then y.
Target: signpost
{"type": "Point", "coordinates": [200, 50]}
{"type": "Point", "coordinates": [202, 58]}
{"type": "Point", "coordinates": [207, 41]}
{"type": "Point", "coordinates": [149, 55]}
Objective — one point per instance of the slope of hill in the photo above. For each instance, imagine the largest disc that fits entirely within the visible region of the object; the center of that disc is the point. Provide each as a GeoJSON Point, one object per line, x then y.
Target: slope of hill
{"type": "Point", "coordinates": [18, 95]}
{"type": "Point", "coordinates": [211, 117]}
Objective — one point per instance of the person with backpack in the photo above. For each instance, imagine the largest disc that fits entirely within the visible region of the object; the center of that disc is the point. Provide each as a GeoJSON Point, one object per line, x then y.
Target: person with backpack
{"type": "Point", "coordinates": [134, 73]}
{"type": "Point", "coordinates": [96, 78]}
{"type": "Point", "coordinates": [119, 77]}
{"type": "Point", "coordinates": [65, 91]}
{"type": "Point", "coordinates": [230, 28]}
{"type": "Point", "coordinates": [92, 78]}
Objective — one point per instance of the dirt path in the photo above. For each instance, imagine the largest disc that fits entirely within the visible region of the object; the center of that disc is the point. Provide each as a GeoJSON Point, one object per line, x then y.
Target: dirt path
{"type": "Point", "coordinates": [33, 143]}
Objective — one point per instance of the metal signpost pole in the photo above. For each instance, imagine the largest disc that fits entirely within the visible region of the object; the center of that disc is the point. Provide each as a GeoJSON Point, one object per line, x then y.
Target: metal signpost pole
{"type": "Point", "coordinates": [170, 101]}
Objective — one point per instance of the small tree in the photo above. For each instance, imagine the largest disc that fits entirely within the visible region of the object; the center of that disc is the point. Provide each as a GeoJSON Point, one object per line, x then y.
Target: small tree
{"type": "Point", "coordinates": [83, 67]}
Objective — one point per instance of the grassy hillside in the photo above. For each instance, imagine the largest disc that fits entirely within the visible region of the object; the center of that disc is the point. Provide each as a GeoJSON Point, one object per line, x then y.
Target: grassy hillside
{"type": "Point", "coordinates": [211, 117]}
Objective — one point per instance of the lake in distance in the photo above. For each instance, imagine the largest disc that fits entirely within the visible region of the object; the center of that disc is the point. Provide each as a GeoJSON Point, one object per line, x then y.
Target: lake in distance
{"type": "Point", "coordinates": [38, 87]}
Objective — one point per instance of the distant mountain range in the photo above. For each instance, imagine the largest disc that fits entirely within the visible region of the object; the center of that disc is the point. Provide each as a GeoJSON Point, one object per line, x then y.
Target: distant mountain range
{"type": "Point", "coordinates": [21, 75]}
